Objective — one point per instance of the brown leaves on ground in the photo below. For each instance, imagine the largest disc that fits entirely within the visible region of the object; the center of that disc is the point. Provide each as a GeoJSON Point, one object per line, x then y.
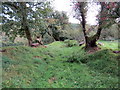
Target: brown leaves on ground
{"type": "Point", "coordinates": [37, 56]}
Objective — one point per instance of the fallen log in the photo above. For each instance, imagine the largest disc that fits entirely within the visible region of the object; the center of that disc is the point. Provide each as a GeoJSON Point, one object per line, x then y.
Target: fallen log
{"type": "Point", "coordinates": [4, 50]}
{"type": "Point", "coordinates": [81, 43]}
{"type": "Point", "coordinates": [35, 44]}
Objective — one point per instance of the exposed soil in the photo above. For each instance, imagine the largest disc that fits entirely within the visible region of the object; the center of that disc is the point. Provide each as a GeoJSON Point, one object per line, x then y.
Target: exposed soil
{"type": "Point", "coordinates": [93, 50]}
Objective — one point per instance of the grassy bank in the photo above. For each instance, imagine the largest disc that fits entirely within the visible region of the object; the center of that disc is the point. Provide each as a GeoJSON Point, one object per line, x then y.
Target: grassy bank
{"type": "Point", "coordinates": [59, 66]}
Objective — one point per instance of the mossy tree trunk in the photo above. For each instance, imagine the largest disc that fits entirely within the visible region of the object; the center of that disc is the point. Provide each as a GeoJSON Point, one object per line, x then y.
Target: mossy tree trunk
{"type": "Point", "coordinates": [91, 41]}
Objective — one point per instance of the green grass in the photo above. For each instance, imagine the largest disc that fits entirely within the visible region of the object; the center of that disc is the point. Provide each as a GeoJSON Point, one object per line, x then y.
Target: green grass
{"type": "Point", "coordinates": [110, 44]}
{"type": "Point", "coordinates": [51, 67]}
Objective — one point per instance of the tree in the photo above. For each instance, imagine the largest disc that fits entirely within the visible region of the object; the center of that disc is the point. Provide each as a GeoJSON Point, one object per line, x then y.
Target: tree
{"type": "Point", "coordinates": [40, 26]}
{"type": "Point", "coordinates": [17, 12]}
{"type": "Point", "coordinates": [55, 32]}
{"type": "Point", "coordinates": [61, 18]}
{"type": "Point", "coordinates": [56, 22]}
{"type": "Point", "coordinates": [105, 19]}
{"type": "Point", "coordinates": [20, 18]}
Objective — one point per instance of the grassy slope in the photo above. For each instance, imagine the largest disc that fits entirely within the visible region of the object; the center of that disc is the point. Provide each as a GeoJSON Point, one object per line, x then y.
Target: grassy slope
{"type": "Point", "coordinates": [28, 67]}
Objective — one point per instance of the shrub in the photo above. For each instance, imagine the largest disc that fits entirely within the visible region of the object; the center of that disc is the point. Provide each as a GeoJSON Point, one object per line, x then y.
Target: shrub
{"type": "Point", "coordinates": [71, 43]}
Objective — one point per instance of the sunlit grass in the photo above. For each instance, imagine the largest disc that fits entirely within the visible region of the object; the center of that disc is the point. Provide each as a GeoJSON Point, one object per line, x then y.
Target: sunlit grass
{"type": "Point", "coordinates": [110, 44]}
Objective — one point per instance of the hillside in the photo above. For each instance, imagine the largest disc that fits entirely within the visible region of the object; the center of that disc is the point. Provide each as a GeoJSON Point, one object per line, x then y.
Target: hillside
{"type": "Point", "coordinates": [59, 66]}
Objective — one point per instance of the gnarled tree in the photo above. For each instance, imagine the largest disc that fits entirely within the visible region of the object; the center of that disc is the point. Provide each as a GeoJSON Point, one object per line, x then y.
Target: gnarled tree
{"type": "Point", "coordinates": [105, 19]}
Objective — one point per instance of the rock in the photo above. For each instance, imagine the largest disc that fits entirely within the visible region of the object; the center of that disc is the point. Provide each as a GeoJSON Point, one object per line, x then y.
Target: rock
{"type": "Point", "coordinates": [116, 51]}
{"type": "Point", "coordinates": [101, 44]}
{"type": "Point", "coordinates": [81, 43]}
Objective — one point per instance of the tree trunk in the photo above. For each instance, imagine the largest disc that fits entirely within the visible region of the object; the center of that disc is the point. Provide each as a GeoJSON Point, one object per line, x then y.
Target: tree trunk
{"type": "Point", "coordinates": [28, 35]}
{"type": "Point", "coordinates": [83, 22]}
{"type": "Point", "coordinates": [91, 41]}
{"type": "Point", "coordinates": [56, 38]}
{"type": "Point", "coordinates": [25, 24]}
